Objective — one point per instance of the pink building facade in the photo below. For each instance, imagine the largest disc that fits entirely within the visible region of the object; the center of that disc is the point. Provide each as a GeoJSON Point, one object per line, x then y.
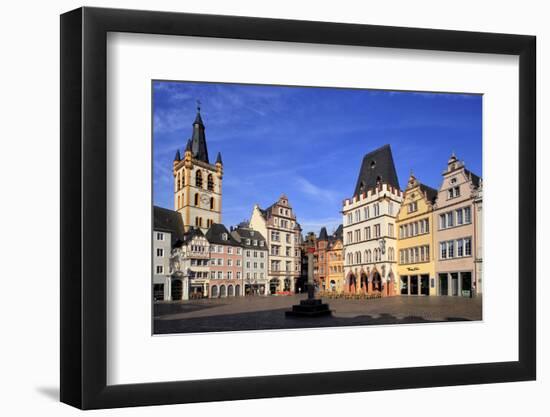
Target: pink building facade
{"type": "Point", "coordinates": [226, 268]}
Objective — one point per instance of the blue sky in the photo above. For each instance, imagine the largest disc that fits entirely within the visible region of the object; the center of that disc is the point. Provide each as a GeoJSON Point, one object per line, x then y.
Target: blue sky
{"type": "Point", "coordinates": [309, 142]}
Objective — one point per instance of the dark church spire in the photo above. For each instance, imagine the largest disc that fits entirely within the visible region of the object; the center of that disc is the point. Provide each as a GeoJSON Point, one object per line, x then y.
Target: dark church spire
{"type": "Point", "coordinates": [219, 158]}
{"type": "Point", "coordinates": [198, 140]}
{"type": "Point", "coordinates": [178, 156]}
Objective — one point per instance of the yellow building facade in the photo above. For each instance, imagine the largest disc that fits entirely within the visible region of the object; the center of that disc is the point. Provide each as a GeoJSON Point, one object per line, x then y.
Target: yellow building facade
{"type": "Point", "coordinates": [415, 240]}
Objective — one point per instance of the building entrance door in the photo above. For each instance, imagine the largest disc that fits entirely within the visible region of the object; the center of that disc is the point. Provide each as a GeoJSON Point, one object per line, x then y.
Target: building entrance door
{"type": "Point", "coordinates": [273, 285]}
{"type": "Point", "coordinates": [466, 284]}
{"type": "Point", "coordinates": [376, 282]}
{"type": "Point", "coordinates": [425, 285]}
{"type": "Point", "coordinates": [454, 284]}
{"type": "Point", "coordinates": [443, 284]}
{"type": "Point", "coordinates": [158, 292]}
{"type": "Point", "coordinates": [177, 290]}
{"type": "Point", "coordinates": [404, 285]}
{"type": "Point", "coordinates": [414, 284]}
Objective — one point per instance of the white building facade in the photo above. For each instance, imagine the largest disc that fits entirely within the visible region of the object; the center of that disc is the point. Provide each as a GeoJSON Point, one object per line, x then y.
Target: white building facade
{"type": "Point", "coordinates": [278, 225]}
{"type": "Point", "coordinates": [369, 234]}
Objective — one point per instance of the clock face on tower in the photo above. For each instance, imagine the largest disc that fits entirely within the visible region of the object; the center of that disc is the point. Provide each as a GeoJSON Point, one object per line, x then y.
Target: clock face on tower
{"type": "Point", "coordinates": [205, 199]}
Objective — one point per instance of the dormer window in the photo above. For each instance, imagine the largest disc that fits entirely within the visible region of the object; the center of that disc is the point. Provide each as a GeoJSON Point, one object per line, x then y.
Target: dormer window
{"type": "Point", "coordinates": [372, 164]}
{"type": "Point", "coordinates": [248, 241]}
{"type": "Point", "coordinates": [224, 236]}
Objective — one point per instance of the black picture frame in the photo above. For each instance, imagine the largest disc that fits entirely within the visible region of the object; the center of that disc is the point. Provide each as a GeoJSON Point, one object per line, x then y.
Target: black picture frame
{"type": "Point", "coordinates": [84, 207]}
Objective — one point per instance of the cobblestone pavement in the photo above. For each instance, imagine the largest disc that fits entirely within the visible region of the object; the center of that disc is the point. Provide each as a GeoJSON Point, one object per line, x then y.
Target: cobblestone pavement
{"type": "Point", "coordinates": [257, 313]}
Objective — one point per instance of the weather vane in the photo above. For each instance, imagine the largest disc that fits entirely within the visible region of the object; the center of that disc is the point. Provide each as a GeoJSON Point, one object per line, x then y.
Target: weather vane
{"type": "Point", "coordinates": [198, 105]}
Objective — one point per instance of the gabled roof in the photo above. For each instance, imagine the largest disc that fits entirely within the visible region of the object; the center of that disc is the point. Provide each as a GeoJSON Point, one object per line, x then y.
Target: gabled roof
{"type": "Point", "coordinates": [165, 220]}
{"type": "Point", "coordinates": [376, 166]}
{"type": "Point", "coordinates": [323, 235]}
{"type": "Point", "coordinates": [242, 233]}
{"type": "Point", "coordinates": [339, 232]}
{"type": "Point", "coordinates": [431, 193]}
{"type": "Point", "coordinates": [476, 180]}
{"type": "Point", "coordinates": [191, 233]}
{"type": "Point", "coordinates": [215, 235]}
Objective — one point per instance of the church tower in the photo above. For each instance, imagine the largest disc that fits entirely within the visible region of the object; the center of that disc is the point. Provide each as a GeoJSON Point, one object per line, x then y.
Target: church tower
{"type": "Point", "coordinates": [197, 182]}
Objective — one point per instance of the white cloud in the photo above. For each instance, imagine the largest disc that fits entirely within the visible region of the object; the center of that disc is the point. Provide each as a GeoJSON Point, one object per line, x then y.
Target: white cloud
{"type": "Point", "coordinates": [312, 190]}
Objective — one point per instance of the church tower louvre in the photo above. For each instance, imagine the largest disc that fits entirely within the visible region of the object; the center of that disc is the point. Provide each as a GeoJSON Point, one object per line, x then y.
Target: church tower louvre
{"type": "Point", "coordinates": [197, 182]}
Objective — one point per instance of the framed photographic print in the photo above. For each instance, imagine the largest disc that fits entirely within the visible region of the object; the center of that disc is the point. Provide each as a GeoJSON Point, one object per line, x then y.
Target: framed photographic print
{"type": "Point", "coordinates": [257, 208]}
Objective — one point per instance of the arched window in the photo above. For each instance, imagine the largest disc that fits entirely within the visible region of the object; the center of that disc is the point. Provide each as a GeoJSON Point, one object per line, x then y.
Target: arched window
{"type": "Point", "coordinates": [214, 291]}
{"type": "Point", "coordinates": [196, 199]}
{"type": "Point", "coordinates": [210, 182]}
{"type": "Point", "coordinates": [197, 221]}
{"type": "Point", "coordinates": [211, 203]}
{"type": "Point", "coordinates": [178, 181]}
{"type": "Point", "coordinates": [179, 205]}
{"type": "Point", "coordinates": [200, 221]}
{"type": "Point", "coordinates": [358, 257]}
{"type": "Point", "coordinates": [198, 179]}
{"type": "Point", "coordinates": [366, 255]}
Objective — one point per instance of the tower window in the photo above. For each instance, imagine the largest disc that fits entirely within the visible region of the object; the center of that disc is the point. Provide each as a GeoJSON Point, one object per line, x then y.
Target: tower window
{"type": "Point", "coordinates": [198, 179]}
{"type": "Point", "coordinates": [211, 203]}
{"type": "Point", "coordinates": [196, 199]}
{"type": "Point", "coordinates": [210, 182]}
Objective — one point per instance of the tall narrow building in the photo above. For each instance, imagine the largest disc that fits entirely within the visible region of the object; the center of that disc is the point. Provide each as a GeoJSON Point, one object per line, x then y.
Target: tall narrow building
{"type": "Point", "coordinates": [197, 182]}
{"type": "Point", "coordinates": [458, 238]}
{"type": "Point", "coordinates": [278, 225]}
{"type": "Point", "coordinates": [415, 242]}
{"type": "Point", "coordinates": [370, 263]}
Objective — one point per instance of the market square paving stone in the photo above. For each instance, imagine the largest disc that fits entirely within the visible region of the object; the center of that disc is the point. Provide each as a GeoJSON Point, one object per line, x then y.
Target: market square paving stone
{"type": "Point", "coordinates": [266, 313]}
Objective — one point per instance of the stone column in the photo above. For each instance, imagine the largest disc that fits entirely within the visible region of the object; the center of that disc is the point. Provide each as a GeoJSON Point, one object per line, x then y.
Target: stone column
{"type": "Point", "coordinates": [449, 285]}
{"type": "Point", "coordinates": [460, 284]}
{"type": "Point", "coordinates": [408, 285]}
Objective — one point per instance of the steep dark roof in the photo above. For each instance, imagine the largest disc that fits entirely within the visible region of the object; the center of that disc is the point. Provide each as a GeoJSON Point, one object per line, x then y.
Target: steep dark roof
{"type": "Point", "coordinates": [339, 232]}
{"type": "Point", "coordinates": [323, 235]}
{"type": "Point", "coordinates": [192, 232]}
{"type": "Point", "coordinates": [242, 233]}
{"type": "Point", "coordinates": [476, 180]}
{"type": "Point", "coordinates": [430, 192]}
{"type": "Point", "coordinates": [219, 158]}
{"type": "Point", "coordinates": [377, 165]}
{"type": "Point", "coordinates": [215, 232]}
{"type": "Point", "coordinates": [178, 156]}
{"type": "Point", "coordinates": [198, 140]}
{"type": "Point", "coordinates": [165, 220]}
